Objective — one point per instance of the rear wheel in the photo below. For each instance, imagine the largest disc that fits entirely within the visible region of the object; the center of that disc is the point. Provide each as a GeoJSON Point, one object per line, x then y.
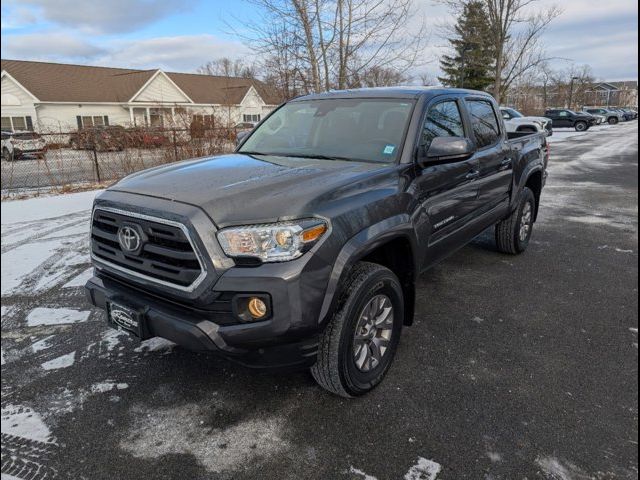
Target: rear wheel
{"type": "Point", "coordinates": [358, 345]}
{"type": "Point", "coordinates": [513, 233]}
{"type": "Point", "coordinates": [581, 126]}
{"type": "Point", "coordinates": [612, 120]}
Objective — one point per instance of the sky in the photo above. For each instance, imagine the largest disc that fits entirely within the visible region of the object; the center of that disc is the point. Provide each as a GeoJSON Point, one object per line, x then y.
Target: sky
{"type": "Point", "coordinates": [180, 35]}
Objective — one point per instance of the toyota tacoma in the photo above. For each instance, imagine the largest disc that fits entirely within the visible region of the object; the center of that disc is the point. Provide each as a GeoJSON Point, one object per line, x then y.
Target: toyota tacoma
{"type": "Point", "coordinates": [303, 247]}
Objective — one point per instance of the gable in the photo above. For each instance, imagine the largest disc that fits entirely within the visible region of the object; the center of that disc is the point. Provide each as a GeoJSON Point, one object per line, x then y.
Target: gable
{"type": "Point", "coordinates": [252, 99]}
{"type": "Point", "coordinates": [13, 94]}
{"type": "Point", "coordinates": [161, 90]}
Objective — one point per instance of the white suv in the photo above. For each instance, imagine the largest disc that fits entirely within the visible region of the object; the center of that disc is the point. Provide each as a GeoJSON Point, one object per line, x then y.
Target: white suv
{"type": "Point", "coordinates": [517, 122]}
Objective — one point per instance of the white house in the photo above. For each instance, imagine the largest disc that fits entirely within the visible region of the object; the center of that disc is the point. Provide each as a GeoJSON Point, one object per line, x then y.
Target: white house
{"type": "Point", "coordinates": [54, 97]}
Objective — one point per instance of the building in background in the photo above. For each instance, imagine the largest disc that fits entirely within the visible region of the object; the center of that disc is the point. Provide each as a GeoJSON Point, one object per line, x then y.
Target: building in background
{"type": "Point", "coordinates": [615, 94]}
{"type": "Point", "coordinates": [60, 97]}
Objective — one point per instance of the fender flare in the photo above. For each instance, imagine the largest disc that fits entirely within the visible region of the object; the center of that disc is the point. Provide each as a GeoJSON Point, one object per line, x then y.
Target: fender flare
{"type": "Point", "coordinates": [357, 247]}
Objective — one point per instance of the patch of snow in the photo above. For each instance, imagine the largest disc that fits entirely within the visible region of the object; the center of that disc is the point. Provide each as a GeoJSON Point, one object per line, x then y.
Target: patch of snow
{"type": "Point", "coordinates": [18, 263]}
{"type": "Point", "coordinates": [103, 387]}
{"type": "Point", "coordinates": [79, 280]}
{"type": "Point", "coordinates": [184, 429]}
{"type": "Point", "coordinates": [155, 344]}
{"type": "Point", "coordinates": [2, 360]}
{"type": "Point", "coordinates": [42, 344]}
{"type": "Point", "coordinates": [63, 361]}
{"type": "Point", "coordinates": [633, 330]}
{"type": "Point", "coordinates": [555, 469]}
{"type": "Point", "coordinates": [24, 422]}
{"type": "Point", "coordinates": [423, 470]}
{"type": "Point", "coordinates": [495, 457]}
{"type": "Point", "coordinates": [477, 320]}
{"type": "Point", "coordinates": [357, 471]}
{"type": "Point", "coordinates": [56, 316]}
{"type": "Point", "coordinates": [18, 211]}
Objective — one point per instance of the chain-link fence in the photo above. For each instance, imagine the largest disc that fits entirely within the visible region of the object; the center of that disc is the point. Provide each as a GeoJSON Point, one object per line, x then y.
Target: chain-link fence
{"type": "Point", "coordinates": [57, 160]}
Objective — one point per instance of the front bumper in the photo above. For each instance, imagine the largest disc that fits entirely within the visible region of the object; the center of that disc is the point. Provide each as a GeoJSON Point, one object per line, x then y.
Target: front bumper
{"type": "Point", "coordinates": [257, 344]}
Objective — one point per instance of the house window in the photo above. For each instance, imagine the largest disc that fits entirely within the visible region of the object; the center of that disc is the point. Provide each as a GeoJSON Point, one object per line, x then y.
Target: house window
{"type": "Point", "coordinates": [251, 118]}
{"type": "Point", "coordinates": [92, 121]}
{"type": "Point", "coordinates": [14, 124]}
{"type": "Point", "coordinates": [158, 116]}
{"type": "Point", "coordinates": [207, 121]}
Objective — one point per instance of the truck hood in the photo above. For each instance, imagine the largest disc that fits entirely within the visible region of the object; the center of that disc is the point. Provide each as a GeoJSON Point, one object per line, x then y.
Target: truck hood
{"type": "Point", "coordinates": [542, 120]}
{"type": "Point", "coordinates": [238, 188]}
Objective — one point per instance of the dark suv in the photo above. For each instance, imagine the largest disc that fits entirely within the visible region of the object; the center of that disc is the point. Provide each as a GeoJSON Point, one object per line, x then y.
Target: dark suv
{"type": "Point", "coordinates": [565, 118]}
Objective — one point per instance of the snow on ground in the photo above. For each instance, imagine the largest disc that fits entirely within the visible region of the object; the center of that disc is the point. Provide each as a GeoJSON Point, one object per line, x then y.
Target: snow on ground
{"type": "Point", "coordinates": [20, 211]}
{"type": "Point", "coordinates": [79, 280]}
{"type": "Point", "coordinates": [63, 361]}
{"type": "Point", "coordinates": [24, 422]}
{"type": "Point", "coordinates": [55, 316]}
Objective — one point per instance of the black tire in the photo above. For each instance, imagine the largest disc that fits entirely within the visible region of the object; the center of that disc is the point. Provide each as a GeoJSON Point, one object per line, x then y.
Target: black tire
{"type": "Point", "coordinates": [336, 369]}
{"type": "Point", "coordinates": [612, 120]}
{"type": "Point", "coordinates": [581, 126]}
{"type": "Point", "coordinates": [508, 231]}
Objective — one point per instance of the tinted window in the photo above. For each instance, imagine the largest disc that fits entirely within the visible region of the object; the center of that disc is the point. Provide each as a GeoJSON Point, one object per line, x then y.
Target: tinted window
{"type": "Point", "coordinates": [484, 122]}
{"type": "Point", "coordinates": [443, 120]}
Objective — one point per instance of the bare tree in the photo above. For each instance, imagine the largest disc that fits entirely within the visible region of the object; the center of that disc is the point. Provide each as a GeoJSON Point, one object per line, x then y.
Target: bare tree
{"type": "Point", "coordinates": [517, 27]}
{"type": "Point", "coordinates": [227, 67]}
{"type": "Point", "coordinates": [336, 43]}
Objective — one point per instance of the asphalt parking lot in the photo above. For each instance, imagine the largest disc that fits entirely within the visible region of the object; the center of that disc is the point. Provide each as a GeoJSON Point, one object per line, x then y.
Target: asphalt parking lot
{"type": "Point", "coordinates": [516, 367]}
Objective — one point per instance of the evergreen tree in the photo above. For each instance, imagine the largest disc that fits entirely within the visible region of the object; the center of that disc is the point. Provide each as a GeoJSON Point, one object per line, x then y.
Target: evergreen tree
{"type": "Point", "coordinates": [471, 63]}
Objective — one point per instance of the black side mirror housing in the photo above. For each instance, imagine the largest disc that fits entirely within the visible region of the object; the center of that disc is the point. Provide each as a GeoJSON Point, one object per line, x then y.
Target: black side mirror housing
{"type": "Point", "coordinates": [446, 149]}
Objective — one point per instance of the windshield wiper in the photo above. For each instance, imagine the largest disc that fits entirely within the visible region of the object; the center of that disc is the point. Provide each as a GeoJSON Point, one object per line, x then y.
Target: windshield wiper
{"type": "Point", "coordinates": [254, 153]}
{"type": "Point", "coordinates": [325, 157]}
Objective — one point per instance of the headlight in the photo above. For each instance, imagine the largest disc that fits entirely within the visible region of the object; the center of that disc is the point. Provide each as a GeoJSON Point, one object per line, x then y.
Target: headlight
{"type": "Point", "coordinates": [275, 242]}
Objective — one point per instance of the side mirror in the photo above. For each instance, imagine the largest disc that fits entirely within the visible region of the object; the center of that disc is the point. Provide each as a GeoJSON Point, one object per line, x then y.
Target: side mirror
{"type": "Point", "coordinates": [446, 148]}
{"type": "Point", "coordinates": [241, 136]}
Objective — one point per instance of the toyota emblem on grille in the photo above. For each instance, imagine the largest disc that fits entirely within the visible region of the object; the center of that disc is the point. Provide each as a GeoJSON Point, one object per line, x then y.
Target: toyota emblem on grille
{"type": "Point", "coordinates": [129, 238]}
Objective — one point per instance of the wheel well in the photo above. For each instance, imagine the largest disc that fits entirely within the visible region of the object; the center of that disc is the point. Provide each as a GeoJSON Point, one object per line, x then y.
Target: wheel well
{"type": "Point", "coordinates": [526, 128]}
{"type": "Point", "coordinates": [397, 256]}
{"type": "Point", "coordinates": [534, 183]}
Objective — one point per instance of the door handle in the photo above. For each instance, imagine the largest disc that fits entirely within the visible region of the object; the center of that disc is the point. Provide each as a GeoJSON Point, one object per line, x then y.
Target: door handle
{"type": "Point", "coordinates": [472, 175]}
{"type": "Point", "coordinates": [505, 163]}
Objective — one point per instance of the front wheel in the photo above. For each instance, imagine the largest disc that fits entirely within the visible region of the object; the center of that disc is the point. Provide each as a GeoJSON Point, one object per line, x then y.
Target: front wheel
{"type": "Point", "coordinates": [514, 232]}
{"type": "Point", "coordinates": [581, 127]}
{"type": "Point", "coordinates": [7, 156]}
{"type": "Point", "coordinates": [613, 120]}
{"type": "Point", "coordinates": [358, 345]}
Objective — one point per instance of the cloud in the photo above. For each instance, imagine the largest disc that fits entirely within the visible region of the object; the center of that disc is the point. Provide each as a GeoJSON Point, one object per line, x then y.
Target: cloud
{"type": "Point", "coordinates": [103, 17]}
{"type": "Point", "coordinates": [179, 53]}
{"type": "Point", "coordinates": [182, 53]}
{"type": "Point", "coordinates": [49, 46]}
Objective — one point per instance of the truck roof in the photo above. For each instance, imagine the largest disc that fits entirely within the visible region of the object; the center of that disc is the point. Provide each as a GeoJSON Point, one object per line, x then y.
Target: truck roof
{"type": "Point", "coordinates": [389, 92]}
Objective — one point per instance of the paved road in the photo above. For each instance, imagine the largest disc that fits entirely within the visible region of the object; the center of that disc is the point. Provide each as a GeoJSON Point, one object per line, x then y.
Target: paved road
{"type": "Point", "coordinates": [516, 367]}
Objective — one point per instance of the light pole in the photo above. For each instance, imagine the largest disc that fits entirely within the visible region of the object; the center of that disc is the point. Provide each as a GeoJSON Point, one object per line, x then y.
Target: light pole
{"type": "Point", "coordinates": [571, 91]}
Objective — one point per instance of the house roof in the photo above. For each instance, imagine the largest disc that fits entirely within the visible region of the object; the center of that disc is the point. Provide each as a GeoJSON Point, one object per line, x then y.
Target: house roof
{"type": "Point", "coordinates": [57, 82]}
{"type": "Point", "coordinates": [628, 84]}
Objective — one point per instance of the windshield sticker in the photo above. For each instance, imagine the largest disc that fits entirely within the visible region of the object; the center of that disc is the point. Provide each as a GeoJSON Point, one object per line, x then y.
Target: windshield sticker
{"type": "Point", "coordinates": [389, 149]}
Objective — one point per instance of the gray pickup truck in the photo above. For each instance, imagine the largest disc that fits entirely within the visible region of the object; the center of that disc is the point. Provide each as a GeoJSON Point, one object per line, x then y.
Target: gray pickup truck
{"type": "Point", "coordinates": [302, 248]}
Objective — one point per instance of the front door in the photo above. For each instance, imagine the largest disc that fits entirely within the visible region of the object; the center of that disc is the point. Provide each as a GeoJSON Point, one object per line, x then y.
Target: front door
{"type": "Point", "coordinates": [446, 191]}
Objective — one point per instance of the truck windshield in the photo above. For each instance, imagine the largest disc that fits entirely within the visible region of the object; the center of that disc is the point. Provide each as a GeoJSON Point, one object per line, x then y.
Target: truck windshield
{"type": "Point", "coordinates": [514, 113]}
{"type": "Point", "coordinates": [365, 130]}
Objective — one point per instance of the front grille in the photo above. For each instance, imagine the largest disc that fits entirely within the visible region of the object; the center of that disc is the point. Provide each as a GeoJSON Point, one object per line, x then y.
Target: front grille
{"type": "Point", "coordinates": [167, 255]}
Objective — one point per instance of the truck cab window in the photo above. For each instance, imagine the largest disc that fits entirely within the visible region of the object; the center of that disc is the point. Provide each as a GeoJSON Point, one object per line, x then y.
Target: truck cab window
{"type": "Point", "coordinates": [443, 120]}
{"type": "Point", "coordinates": [484, 122]}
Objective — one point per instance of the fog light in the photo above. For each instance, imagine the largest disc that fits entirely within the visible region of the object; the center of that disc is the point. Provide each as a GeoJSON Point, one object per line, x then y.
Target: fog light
{"type": "Point", "coordinates": [257, 307]}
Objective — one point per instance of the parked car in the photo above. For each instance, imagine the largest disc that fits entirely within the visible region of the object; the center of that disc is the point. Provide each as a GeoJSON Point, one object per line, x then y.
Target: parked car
{"type": "Point", "coordinates": [612, 117]}
{"type": "Point", "coordinates": [100, 138]}
{"type": "Point", "coordinates": [565, 118]}
{"type": "Point", "coordinates": [595, 119]}
{"type": "Point", "coordinates": [146, 137]}
{"type": "Point", "coordinates": [517, 122]}
{"type": "Point", "coordinates": [626, 116]}
{"type": "Point", "coordinates": [22, 144]}
{"type": "Point", "coordinates": [7, 147]}
{"type": "Point", "coordinates": [303, 248]}
{"type": "Point", "coordinates": [631, 112]}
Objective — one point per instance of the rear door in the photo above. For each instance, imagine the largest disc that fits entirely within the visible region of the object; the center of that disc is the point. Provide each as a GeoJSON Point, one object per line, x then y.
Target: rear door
{"type": "Point", "coordinates": [447, 190]}
{"type": "Point", "coordinates": [494, 154]}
